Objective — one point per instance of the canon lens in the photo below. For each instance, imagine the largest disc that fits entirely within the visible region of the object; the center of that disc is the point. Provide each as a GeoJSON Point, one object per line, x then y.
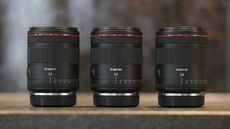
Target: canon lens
{"type": "Point", "coordinates": [180, 66]}
{"type": "Point", "coordinates": [53, 61]}
{"type": "Point", "coordinates": [116, 66]}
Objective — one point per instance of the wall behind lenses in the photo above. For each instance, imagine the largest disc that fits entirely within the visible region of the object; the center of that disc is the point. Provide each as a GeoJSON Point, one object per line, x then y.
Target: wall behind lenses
{"type": "Point", "coordinates": [16, 16]}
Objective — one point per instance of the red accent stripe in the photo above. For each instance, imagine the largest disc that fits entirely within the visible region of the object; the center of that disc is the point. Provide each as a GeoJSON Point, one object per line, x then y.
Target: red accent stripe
{"type": "Point", "coordinates": [66, 35]}
{"type": "Point", "coordinates": [182, 35]}
{"type": "Point", "coordinates": [116, 35]}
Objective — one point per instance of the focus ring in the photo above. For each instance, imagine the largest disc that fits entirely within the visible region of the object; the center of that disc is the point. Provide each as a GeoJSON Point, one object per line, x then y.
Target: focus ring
{"type": "Point", "coordinates": [180, 55]}
{"type": "Point", "coordinates": [53, 54]}
{"type": "Point", "coordinates": [116, 55]}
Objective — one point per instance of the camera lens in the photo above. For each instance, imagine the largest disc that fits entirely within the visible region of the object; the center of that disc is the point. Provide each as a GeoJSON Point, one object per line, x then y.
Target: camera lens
{"type": "Point", "coordinates": [180, 69]}
{"type": "Point", "coordinates": [116, 66]}
{"type": "Point", "coordinates": [53, 63]}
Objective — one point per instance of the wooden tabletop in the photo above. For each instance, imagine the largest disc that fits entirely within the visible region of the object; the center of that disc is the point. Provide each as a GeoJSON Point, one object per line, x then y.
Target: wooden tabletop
{"type": "Point", "coordinates": [18, 103]}
{"type": "Point", "coordinates": [217, 107]}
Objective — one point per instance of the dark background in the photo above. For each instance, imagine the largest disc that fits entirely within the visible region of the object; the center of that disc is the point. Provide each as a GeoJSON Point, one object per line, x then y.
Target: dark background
{"type": "Point", "coordinates": [16, 16]}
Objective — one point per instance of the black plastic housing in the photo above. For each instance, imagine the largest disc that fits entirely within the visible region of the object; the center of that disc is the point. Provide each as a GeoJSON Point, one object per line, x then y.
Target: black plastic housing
{"type": "Point", "coordinates": [53, 65]}
{"type": "Point", "coordinates": [180, 66]}
{"type": "Point", "coordinates": [116, 65]}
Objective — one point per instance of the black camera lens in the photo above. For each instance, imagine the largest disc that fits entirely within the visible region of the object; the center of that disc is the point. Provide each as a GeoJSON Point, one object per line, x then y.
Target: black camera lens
{"type": "Point", "coordinates": [180, 66]}
{"type": "Point", "coordinates": [53, 63]}
{"type": "Point", "coordinates": [116, 66]}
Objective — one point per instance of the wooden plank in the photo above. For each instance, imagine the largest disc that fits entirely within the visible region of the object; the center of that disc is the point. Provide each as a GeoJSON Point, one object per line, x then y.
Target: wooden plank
{"type": "Point", "coordinates": [18, 103]}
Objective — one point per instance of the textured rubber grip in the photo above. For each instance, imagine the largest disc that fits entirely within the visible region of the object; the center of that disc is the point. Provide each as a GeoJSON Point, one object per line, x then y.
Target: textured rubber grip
{"type": "Point", "coordinates": [53, 55]}
{"type": "Point", "coordinates": [180, 55]}
{"type": "Point", "coordinates": [116, 55]}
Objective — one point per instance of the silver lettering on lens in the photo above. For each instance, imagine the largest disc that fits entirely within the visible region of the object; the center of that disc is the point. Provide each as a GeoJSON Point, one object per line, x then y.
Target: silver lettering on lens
{"type": "Point", "coordinates": [50, 69]}
{"type": "Point", "coordinates": [115, 69]}
{"type": "Point", "coordinates": [182, 69]}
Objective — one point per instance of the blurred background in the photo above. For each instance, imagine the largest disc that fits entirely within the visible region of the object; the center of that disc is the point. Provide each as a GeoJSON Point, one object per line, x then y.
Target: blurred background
{"type": "Point", "coordinates": [16, 16]}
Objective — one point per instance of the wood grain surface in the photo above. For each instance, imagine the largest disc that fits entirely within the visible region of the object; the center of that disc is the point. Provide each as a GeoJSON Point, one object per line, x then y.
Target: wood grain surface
{"type": "Point", "coordinates": [18, 103]}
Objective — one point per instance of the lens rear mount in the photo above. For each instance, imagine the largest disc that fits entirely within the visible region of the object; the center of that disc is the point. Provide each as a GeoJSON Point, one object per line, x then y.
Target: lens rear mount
{"type": "Point", "coordinates": [63, 99]}
{"type": "Point", "coordinates": [116, 99]}
{"type": "Point", "coordinates": [181, 99]}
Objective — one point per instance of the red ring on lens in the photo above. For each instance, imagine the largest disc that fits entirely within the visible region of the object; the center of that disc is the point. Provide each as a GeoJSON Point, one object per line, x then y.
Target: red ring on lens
{"type": "Point", "coordinates": [65, 35]}
{"type": "Point", "coordinates": [116, 35]}
{"type": "Point", "coordinates": [182, 35]}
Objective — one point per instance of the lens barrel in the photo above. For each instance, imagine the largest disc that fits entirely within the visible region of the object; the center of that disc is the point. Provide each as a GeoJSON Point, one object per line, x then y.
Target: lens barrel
{"type": "Point", "coordinates": [53, 66]}
{"type": "Point", "coordinates": [116, 66]}
{"type": "Point", "coordinates": [180, 66]}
